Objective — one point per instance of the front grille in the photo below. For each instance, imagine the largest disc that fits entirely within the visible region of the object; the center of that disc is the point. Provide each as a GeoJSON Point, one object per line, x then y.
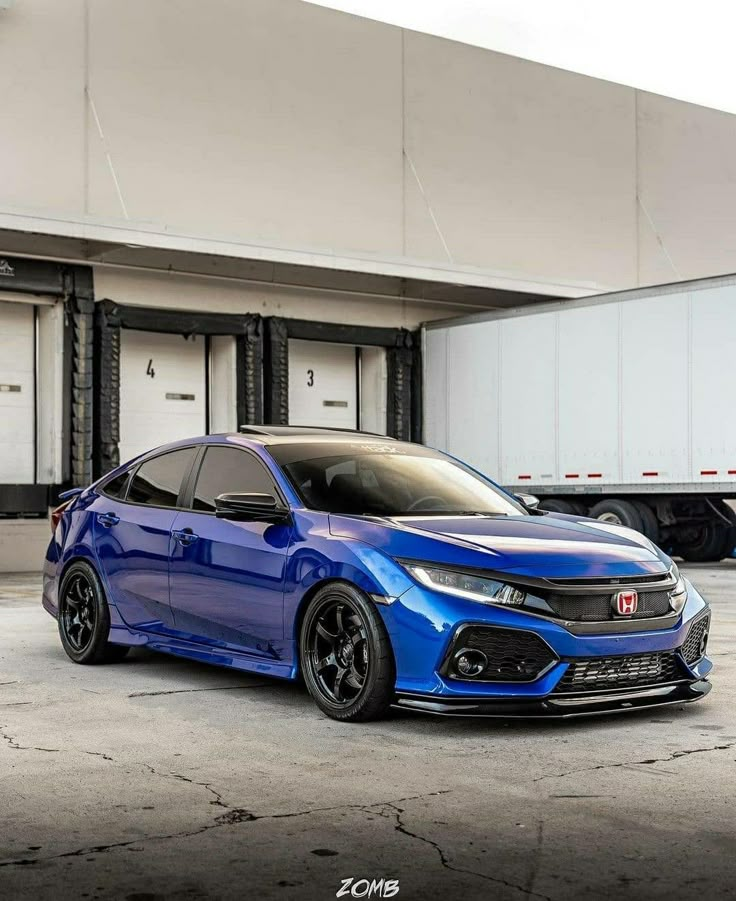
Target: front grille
{"type": "Point", "coordinates": [513, 654]}
{"type": "Point", "coordinates": [693, 648]}
{"type": "Point", "coordinates": [632, 671]}
{"type": "Point", "coordinates": [599, 607]}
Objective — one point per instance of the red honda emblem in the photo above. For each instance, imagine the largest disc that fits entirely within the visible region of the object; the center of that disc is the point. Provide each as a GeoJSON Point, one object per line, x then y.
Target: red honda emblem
{"type": "Point", "coordinates": [626, 602]}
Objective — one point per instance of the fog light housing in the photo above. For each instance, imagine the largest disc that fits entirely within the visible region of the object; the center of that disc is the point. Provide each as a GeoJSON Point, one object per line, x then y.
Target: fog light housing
{"type": "Point", "coordinates": [470, 662]}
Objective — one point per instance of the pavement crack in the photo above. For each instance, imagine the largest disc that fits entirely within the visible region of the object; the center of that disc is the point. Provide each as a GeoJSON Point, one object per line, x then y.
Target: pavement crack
{"type": "Point", "coordinates": [186, 691]}
{"type": "Point", "coordinates": [234, 816]}
{"type": "Point", "coordinates": [207, 785]}
{"type": "Point", "coordinates": [391, 808]}
{"type": "Point", "coordinates": [675, 755]}
{"type": "Point", "coordinates": [370, 807]}
{"type": "Point", "coordinates": [18, 747]}
{"type": "Point", "coordinates": [98, 754]}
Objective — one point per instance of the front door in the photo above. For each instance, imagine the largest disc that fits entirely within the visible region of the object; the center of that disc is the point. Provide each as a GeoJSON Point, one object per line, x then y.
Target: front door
{"type": "Point", "coordinates": [226, 577]}
{"type": "Point", "coordinates": [133, 538]}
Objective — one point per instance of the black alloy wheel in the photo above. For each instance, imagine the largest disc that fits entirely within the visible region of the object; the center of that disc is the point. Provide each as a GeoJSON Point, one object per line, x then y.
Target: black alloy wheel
{"type": "Point", "coordinates": [79, 612]}
{"type": "Point", "coordinates": [339, 651]}
{"type": "Point", "coordinates": [84, 618]}
{"type": "Point", "coordinates": [346, 656]}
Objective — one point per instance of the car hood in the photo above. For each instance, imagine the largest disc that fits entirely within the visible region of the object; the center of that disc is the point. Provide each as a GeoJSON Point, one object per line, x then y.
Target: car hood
{"type": "Point", "coordinates": [552, 546]}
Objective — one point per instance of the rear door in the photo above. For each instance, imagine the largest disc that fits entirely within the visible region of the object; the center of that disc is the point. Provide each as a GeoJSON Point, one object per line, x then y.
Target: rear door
{"type": "Point", "coordinates": [226, 577]}
{"type": "Point", "coordinates": [133, 523]}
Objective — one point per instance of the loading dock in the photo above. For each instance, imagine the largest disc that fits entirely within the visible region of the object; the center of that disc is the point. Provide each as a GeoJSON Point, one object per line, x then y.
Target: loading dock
{"type": "Point", "coordinates": [163, 389]}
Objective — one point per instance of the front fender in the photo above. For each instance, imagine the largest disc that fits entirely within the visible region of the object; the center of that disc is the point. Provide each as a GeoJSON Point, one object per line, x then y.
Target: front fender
{"type": "Point", "coordinates": [315, 556]}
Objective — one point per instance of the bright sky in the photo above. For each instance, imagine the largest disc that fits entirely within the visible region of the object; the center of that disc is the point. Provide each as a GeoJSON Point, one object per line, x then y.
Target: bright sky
{"type": "Point", "coordinates": [681, 49]}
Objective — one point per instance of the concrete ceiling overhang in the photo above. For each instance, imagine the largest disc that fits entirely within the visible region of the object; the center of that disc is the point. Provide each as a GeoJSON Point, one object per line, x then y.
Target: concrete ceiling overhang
{"type": "Point", "coordinates": [125, 245]}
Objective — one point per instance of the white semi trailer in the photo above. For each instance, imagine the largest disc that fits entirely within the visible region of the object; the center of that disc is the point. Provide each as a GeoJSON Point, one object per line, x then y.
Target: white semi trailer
{"type": "Point", "coordinates": [615, 406]}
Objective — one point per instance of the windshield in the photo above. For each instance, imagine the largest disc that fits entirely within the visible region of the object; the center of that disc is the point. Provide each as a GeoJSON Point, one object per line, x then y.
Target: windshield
{"type": "Point", "coordinates": [386, 479]}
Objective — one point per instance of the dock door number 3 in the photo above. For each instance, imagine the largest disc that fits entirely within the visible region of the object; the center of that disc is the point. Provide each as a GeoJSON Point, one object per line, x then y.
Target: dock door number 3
{"type": "Point", "coordinates": [310, 378]}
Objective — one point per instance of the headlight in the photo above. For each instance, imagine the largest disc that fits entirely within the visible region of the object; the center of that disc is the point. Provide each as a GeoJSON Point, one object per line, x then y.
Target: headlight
{"type": "Point", "coordinates": [678, 595]}
{"type": "Point", "coordinates": [466, 585]}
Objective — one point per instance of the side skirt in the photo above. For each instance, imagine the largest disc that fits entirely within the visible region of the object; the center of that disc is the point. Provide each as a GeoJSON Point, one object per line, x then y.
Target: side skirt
{"type": "Point", "coordinates": [202, 654]}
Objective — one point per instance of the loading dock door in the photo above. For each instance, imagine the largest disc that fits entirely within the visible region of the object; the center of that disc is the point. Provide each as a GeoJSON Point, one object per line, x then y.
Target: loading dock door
{"type": "Point", "coordinates": [323, 384]}
{"type": "Point", "coordinates": [17, 393]}
{"type": "Point", "coordinates": [162, 390]}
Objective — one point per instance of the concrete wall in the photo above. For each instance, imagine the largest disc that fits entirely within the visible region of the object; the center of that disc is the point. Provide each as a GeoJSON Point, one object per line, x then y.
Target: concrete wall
{"type": "Point", "coordinates": [283, 123]}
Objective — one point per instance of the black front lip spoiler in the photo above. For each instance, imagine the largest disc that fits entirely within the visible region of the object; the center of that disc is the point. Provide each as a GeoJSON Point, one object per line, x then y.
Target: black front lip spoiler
{"type": "Point", "coordinates": [558, 706]}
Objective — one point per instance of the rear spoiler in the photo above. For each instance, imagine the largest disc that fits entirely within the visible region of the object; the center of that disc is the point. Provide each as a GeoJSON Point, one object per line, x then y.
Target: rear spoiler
{"type": "Point", "coordinates": [69, 493]}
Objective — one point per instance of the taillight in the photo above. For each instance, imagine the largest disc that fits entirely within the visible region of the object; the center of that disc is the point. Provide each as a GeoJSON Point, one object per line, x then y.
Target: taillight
{"type": "Point", "coordinates": [56, 515]}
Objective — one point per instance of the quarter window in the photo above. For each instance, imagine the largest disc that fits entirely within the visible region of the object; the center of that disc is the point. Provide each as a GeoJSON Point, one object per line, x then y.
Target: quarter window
{"type": "Point", "coordinates": [116, 487]}
{"type": "Point", "coordinates": [226, 470]}
{"type": "Point", "coordinates": [156, 482]}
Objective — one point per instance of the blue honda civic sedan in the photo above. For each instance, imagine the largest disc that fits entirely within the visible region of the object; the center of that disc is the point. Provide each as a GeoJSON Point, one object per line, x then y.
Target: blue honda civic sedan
{"type": "Point", "coordinates": [380, 572]}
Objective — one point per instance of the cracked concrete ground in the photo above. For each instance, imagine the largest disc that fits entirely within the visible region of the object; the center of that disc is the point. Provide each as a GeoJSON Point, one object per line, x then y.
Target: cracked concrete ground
{"type": "Point", "coordinates": [158, 778]}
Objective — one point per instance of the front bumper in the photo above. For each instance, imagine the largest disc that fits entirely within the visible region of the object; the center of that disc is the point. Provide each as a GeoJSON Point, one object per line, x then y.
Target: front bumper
{"type": "Point", "coordinates": [424, 626]}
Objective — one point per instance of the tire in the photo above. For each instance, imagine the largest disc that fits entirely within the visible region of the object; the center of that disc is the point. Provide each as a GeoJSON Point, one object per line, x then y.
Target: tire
{"type": "Point", "coordinates": [729, 532]}
{"type": "Point", "coordinates": [556, 505]}
{"type": "Point", "coordinates": [650, 523]}
{"type": "Point", "coordinates": [84, 618]}
{"type": "Point", "coordinates": [706, 544]}
{"type": "Point", "coordinates": [346, 657]}
{"type": "Point", "coordinates": [622, 513]}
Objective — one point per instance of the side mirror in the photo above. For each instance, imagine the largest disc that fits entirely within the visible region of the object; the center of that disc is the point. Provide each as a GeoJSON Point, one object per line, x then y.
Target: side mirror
{"type": "Point", "coordinates": [250, 508]}
{"type": "Point", "coordinates": [528, 500]}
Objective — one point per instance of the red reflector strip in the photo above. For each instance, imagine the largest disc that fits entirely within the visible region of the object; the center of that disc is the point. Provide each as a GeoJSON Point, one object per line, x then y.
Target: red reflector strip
{"type": "Point", "coordinates": [572, 475]}
{"type": "Point", "coordinates": [708, 472]}
{"type": "Point", "coordinates": [595, 475]}
{"type": "Point", "coordinates": [650, 473]}
{"type": "Point", "coordinates": [524, 477]}
{"type": "Point", "coordinates": [732, 472]}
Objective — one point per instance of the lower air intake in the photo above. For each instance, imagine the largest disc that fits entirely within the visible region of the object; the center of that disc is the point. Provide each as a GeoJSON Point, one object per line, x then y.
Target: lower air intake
{"type": "Point", "coordinates": [693, 647]}
{"type": "Point", "coordinates": [512, 655]}
{"type": "Point", "coordinates": [607, 673]}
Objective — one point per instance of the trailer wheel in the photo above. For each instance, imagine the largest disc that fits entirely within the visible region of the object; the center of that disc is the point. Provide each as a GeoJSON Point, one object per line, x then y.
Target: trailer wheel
{"type": "Point", "coordinates": [705, 543]}
{"type": "Point", "coordinates": [649, 521]}
{"type": "Point", "coordinates": [620, 513]}
{"type": "Point", "coordinates": [729, 532]}
{"type": "Point", "coordinates": [556, 505]}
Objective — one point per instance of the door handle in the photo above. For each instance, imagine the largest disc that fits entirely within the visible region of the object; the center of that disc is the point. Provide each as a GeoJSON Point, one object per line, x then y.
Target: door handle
{"type": "Point", "coordinates": [108, 519]}
{"type": "Point", "coordinates": [185, 537]}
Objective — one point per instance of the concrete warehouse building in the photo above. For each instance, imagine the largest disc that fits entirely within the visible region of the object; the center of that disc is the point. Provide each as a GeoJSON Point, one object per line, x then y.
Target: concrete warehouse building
{"type": "Point", "coordinates": [223, 213]}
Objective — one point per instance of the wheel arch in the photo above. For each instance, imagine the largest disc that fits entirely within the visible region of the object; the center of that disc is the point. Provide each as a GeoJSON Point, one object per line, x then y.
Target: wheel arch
{"type": "Point", "coordinates": [76, 557]}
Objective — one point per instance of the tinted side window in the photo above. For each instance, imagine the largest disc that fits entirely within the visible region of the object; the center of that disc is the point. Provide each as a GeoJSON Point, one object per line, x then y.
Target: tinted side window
{"type": "Point", "coordinates": [157, 482]}
{"type": "Point", "coordinates": [116, 487]}
{"type": "Point", "coordinates": [226, 470]}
